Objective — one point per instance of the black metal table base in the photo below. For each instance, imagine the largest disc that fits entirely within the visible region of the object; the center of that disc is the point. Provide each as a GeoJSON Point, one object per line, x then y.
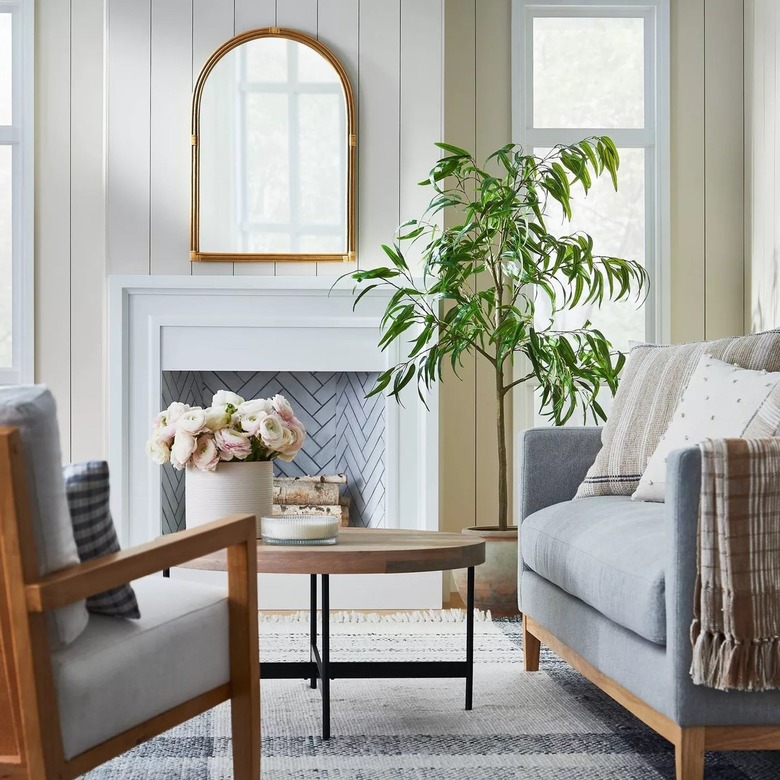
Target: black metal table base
{"type": "Point", "coordinates": [320, 670]}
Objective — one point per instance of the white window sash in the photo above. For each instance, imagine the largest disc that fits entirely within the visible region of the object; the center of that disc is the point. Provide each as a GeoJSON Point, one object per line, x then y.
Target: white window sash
{"type": "Point", "coordinates": [20, 136]}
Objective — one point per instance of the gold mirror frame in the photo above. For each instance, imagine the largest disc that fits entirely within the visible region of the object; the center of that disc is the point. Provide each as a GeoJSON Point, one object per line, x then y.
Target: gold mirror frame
{"type": "Point", "coordinates": [196, 255]}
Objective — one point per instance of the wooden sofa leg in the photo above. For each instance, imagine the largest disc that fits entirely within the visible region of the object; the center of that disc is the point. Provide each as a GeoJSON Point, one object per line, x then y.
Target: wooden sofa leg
{"type": "Point", "coordinates": [689, 754]}
{"type": "Point", "coordinates": [531, 649]}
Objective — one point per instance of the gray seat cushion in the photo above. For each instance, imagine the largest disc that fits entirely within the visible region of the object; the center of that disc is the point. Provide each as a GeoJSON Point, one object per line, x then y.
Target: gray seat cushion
{"type": "Point", "coordinates": [608, 551]}
{"type": "Point", "coordinates": [120, 673]}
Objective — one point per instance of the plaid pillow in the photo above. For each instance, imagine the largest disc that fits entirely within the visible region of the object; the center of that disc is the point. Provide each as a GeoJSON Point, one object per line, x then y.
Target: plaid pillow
{"type": "Point", "coordinates": [87, 489]}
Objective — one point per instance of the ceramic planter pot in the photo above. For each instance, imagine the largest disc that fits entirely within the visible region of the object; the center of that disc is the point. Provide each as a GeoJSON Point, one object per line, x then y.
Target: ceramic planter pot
{"type": "Point", "coordinates": [234, 488]}
{"type": "Point", "coordinates": [495, 581]}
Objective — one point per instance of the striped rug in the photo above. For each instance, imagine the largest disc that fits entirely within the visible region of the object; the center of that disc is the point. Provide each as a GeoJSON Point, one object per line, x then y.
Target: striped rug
{"type": "Point", "coordinates": [552, 725]}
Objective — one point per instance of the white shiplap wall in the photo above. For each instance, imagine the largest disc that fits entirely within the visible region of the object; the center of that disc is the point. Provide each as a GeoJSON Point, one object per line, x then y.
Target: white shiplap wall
{"type": "Point", "coordinates": [762, 105]}
{"type": "Point", "coordinates": [392, 51]}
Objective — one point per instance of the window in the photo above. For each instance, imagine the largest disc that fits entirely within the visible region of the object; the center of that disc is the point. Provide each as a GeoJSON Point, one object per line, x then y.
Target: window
{"type": "Point", "coordinates": [599, 68]}
{"type": "Point", "coordinates": [16, 190]}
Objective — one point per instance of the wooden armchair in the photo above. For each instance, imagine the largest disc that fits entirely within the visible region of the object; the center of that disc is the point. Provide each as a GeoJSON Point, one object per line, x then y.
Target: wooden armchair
{"type": "Point", "coordinates": [36, 743]}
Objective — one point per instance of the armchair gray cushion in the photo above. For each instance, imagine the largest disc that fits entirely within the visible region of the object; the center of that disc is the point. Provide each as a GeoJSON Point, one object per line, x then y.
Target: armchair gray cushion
{"type": "Point", "coordinates": [120, 673]}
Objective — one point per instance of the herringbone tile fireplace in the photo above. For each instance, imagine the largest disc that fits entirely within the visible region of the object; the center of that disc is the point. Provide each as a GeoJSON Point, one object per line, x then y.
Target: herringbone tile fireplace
{"type": "Point", "coordinates": [345, 431]}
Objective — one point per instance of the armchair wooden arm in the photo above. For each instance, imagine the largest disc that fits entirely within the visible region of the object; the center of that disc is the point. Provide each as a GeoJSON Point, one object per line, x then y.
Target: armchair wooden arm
{"type": "Point", "coordinates": [109, 571]}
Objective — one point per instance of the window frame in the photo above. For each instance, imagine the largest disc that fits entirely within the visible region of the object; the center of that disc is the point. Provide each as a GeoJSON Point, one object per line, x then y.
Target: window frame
{"type": "Point", "coordinates": [20, 137]}
{"type": "Point", "coordinates": [653, 137]}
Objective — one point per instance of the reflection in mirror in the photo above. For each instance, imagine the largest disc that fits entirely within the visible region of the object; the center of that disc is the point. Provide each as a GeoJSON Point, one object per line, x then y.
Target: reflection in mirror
{"type": "Point", "coordinates": [274, 149]}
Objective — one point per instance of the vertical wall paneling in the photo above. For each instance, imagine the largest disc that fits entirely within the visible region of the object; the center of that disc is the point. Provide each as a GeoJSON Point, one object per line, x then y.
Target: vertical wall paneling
{"type": "Point", "coordinates": [724, 172]}
{"type": "Point", "coordinates": [128, 140]}
{"type": "Point", "coordinates": [212, 25]}
{"type": "Point", "coordinates": [251, 14]}
{"type": "Point", "coordinates": [687, 170]}
{"type": "Point", "coordinates": [493, 124]}
{"type": "Point", "coordinates": [87, 230]}
{"type": "Point", "coordinates": [337, 28]}
{"type": "Point", "coordinates": [379, 117]}
{"type": "Point", "coordinates": [52, 207]}
{"type": "Point", "coordinates": [300, 15]}
{"type": "Point", "coordinates": [457, 401]}
{"type": "Point", "coordinates": [170, 100]}
{"type": "Point", "coordinates": [421, 75]}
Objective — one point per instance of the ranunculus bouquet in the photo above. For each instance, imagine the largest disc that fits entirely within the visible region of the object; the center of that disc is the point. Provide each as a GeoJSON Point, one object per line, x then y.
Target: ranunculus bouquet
{"type": "Point", "coordinates": [230, 429]}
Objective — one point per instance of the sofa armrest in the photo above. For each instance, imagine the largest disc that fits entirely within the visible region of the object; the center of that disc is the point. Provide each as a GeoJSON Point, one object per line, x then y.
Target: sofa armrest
{"type": "Point", "coordinates": [683, 486]}
{"type": "Point", "coordinates": [551, 464]}
{"type": "Point", "coordinates": [109, 571]}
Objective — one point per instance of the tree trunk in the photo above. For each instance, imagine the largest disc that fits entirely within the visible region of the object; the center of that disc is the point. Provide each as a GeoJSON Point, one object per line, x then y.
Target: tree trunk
{"type": "Point", "coordinates": [503, 503]}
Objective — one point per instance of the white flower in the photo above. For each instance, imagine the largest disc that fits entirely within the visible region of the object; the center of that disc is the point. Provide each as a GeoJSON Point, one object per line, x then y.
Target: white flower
{"type": "Point", "coordinates": [255, 407]}
{"type": "Point", "coordinates": [282, 407]}
{"type": "Point", "coordinates": [223, 397]}
{"type": "Point", "coordinates": [271, 431]}
{"type": "Point", "coordinates": [174, 411]}
{"type": "Point", "coordinates": [250, 423]}
{"type": "Point", "coordinates": [183, 446]}
{"type": "Point", "coordinates": [193, 421]}
{"type": "Point", "coordinates": [158, 450]}
{"type": "Point", "coordinates": [206, 455]}
{"type": "Point", "coordinates": [217, 417]}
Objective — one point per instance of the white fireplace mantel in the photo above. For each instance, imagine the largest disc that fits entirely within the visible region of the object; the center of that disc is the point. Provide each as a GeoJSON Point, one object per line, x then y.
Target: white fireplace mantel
{"type": "Point", "coordinates": [254, 323]}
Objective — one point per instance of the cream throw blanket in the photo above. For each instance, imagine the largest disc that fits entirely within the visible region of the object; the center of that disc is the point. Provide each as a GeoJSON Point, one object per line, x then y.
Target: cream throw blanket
{"type": "Point", "coordinates": [736, 627]}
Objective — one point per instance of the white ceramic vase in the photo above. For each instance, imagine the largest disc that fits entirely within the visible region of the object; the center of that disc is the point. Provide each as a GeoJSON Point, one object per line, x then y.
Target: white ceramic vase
{"type": "Point", "coordinates": [234, 488]}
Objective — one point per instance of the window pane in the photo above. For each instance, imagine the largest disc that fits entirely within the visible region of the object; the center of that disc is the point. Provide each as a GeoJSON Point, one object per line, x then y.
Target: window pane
{"type": "Point", "coordinates": [616, 221]}
{"type": "Point", "coordinates": [6, 55]}
{"type": "Point", "coordinates": [588, 72]}
{"type": "Point", "coordinates": [266, 59]}
{"type": "Point", "coordinates": [5, 258]}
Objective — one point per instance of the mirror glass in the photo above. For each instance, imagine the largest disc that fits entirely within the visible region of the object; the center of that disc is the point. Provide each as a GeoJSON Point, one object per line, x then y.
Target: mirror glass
{"type": "Point", "coordinates": [273, 147]}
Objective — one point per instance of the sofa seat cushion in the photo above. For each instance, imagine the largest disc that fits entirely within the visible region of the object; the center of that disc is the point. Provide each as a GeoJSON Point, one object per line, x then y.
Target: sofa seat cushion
{"type": "Point", "coordinates": [120, 673]}
{"type": "Point", "coordinates": [607, 551]}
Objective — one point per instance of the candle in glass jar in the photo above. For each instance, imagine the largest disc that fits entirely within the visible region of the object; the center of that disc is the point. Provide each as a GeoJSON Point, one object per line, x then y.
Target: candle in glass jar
{"type": "Point", "coordinates": [301, 528]}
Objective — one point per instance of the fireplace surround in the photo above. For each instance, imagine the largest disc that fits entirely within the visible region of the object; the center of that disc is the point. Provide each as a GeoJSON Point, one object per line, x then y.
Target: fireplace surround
{"type": "Point", "coordinates": [272, 329]}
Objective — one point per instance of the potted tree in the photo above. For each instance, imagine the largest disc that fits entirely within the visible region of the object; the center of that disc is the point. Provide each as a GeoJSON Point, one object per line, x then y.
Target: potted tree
{"type": "Point", "coordinates": [493, 285]}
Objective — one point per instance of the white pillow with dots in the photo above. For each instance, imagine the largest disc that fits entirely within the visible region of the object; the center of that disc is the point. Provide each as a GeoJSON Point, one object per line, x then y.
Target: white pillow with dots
{"type": "Point", "coordinates": [719, 402]}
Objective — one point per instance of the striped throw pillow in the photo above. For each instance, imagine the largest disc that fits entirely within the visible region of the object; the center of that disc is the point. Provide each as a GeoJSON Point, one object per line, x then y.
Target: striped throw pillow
{"type": "Point", "coordinates": [87, 490]}
{"type": "Point", "coordinates": [650, 390]}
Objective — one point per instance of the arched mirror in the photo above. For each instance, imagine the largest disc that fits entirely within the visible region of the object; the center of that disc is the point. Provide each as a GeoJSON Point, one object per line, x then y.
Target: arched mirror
{"type": "Point", "coordinates": [273, 152]}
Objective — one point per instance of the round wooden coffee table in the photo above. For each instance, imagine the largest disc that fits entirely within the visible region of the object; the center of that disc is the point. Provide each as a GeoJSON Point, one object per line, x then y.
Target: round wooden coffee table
{"type": "Point", "coordinates": [366, 551]}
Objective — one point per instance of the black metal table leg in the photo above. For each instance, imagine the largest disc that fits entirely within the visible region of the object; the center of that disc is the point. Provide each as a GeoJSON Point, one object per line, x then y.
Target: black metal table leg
{"type": "Point", "coordinates": [469, 637]}
{"type": "Point", "coordinates": [325, 673]}
{"type": "Point", "coordinates": [313, 626]}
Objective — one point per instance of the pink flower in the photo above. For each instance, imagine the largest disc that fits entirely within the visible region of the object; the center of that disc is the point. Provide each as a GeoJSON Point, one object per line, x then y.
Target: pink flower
{"type": "Point", "coordinates": [184, 445]}
{"type": "Point", "coordinates": [283, 408]}
{"type": "Point", "coordinates": [294, 436]}
{"type": "Point", "coordinates": [206, 455]}
{"type": "Point", "coordinates": [250, 423]}
{"type": "Point", "coordinates": [158, 450]}
{"type": "Point", "coordinates": [232, 444]}
{"type": "Point", "coordinates": [255, 406]}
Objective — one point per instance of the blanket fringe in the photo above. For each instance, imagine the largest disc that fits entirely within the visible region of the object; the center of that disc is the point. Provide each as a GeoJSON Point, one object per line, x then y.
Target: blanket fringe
{"type": "Point", "coordinates": [727, 663]}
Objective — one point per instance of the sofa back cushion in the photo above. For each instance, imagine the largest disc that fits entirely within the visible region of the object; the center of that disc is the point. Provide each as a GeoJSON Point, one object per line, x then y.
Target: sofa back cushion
{"type": "Point", "coordinates": [652, 384]}
{"type": "Point", "coordinates": [32, 410]}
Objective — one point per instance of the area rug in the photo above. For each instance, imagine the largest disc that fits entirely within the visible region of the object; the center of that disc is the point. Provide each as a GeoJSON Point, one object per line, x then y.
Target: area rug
{"type": "Point", "coordinates": [553, 725]}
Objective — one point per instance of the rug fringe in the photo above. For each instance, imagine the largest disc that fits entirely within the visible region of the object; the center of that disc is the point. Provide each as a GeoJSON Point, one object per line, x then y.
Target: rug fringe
{"type": "Point", "coordinates": [418, 616]}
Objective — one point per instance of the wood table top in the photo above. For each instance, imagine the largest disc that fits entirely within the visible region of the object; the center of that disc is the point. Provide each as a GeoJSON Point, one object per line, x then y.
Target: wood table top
{"type": "Point", "coordinates": [364, 551]}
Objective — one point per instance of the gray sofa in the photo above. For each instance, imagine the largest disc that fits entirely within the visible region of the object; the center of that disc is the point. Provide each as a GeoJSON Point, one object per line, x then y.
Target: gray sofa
{"type": "Point", "coordinates": [607, 583]}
